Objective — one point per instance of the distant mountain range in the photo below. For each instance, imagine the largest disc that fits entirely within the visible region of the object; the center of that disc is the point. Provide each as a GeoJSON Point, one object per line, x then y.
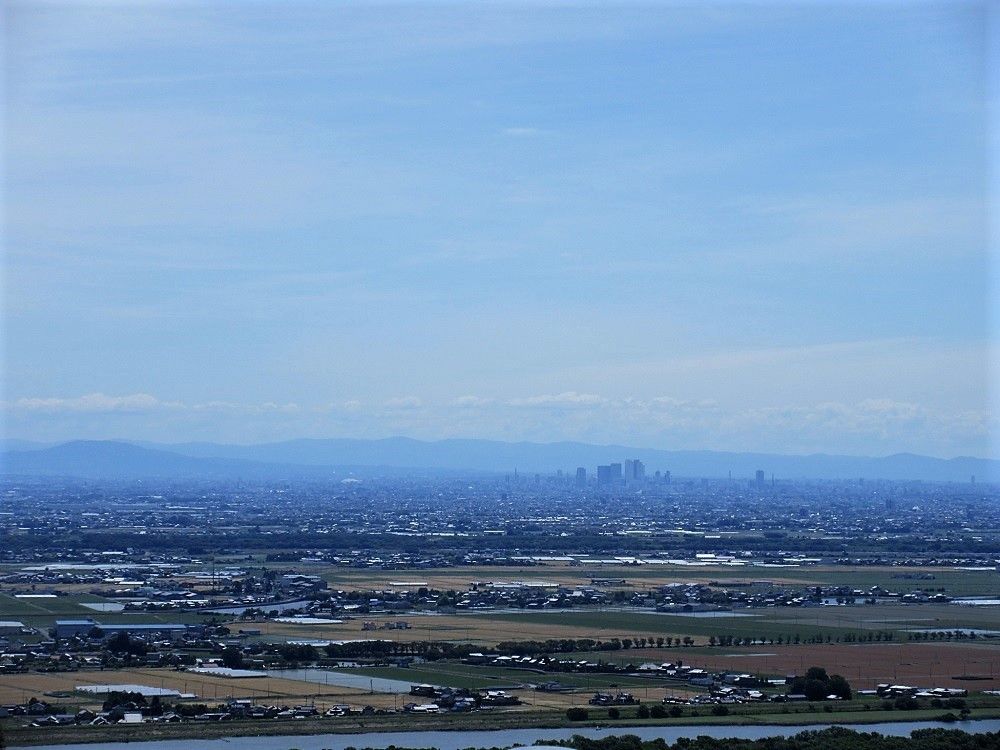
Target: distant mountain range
{"type": "Point", "coordinates": [320, 459]}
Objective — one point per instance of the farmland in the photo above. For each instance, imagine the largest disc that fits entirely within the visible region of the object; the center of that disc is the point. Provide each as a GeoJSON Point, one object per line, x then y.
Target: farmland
{"type": "Point", "coordinates": [514, 604]}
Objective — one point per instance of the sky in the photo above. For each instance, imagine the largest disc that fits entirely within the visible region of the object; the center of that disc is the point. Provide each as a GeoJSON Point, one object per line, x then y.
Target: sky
{"type": "Point", "coordinates": [744, 226]}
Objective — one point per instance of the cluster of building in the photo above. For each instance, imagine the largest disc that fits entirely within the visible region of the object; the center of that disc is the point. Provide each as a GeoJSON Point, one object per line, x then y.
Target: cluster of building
{"type": "Point", "coordinates": [630, 474]}
{"type": "Point", "coordinates": [132, 713]}
{"type": "Point", "coordinates": [613, 699]}
{"type": "Point", "coordinates": [437, 522]}
{"type": "Point", "coordinates": [93, 630]}
{"type": "Point", "coordinates": [888, 690]}
{"type": "Point", "coordinates": [457, 699]}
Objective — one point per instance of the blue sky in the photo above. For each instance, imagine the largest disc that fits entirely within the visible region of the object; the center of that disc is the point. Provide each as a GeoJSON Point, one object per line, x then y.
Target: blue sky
{"type": "Point", "coordinates": [740, 226]}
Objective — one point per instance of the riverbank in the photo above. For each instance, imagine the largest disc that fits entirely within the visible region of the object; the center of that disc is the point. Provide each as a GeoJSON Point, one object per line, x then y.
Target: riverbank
{"type": "Point", "coordinates": [19, 736]}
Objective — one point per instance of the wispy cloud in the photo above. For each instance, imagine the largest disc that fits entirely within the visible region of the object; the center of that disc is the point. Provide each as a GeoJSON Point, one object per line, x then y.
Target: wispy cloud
{"type": "Point", "coordinates": [522, 132]}
{"type": "Point", "coordinates": [94, 403]}
{"type": "Point", "coordinates": [567, 399]}
{"type": "Point", "coordinates": [403, 402]}
{"type": "Point", "coordinates": [403, 241]}
{"type": "Point", "coordinates": [137, 403]}
{"type": "Point", "coordinates": [471, 402]}
{"type": "Point", "coordinates": [874, 426]}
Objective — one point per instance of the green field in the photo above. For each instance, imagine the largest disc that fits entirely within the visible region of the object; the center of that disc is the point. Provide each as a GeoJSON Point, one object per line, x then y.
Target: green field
{"type": "Point", "coordinates": [767, 625]}
{"type": "Point", "coordinates": [42, 613]}
{"type": "Point", "coordinates": [453, 674]}
{"type": "Point", "coordinates": [954, 582]}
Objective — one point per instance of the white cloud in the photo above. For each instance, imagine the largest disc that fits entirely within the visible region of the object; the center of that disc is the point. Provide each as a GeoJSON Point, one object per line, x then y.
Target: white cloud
{"type": "Point", "coordinates": [404, 402]}
{"type": "Point", "coordinates": [522, 132]}
{"type": "Point", "coordinates": [139, 403]}
{"type": "Point", "coordinates": [94, 403]}
{"type": "Point", "coordinates": [874, 426]}
{"type": "Point", "coordinates": [567, 399]}
{"type": "Point", "coordinates": [267, 407]}
{"type": "Point", "coordinates": [468, 402]}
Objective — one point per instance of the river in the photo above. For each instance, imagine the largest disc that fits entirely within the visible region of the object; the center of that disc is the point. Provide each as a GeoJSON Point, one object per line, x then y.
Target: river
{"type": "Point", "coordinates": [506, 737]}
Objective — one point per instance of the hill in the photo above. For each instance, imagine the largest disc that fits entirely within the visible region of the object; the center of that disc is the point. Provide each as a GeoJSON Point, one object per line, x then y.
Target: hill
{"type": "Point", "coordinates": [328, 458]}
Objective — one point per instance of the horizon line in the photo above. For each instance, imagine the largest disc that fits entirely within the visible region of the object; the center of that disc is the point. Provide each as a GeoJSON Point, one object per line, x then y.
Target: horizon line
{"type": "Point", "coordinates": [142, 443]}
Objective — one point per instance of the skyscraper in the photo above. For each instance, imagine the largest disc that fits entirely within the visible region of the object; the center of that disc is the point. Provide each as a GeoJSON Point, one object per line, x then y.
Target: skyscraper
{"type": "Point", "coordinates": [610, 475]}
{"type": "Point", "coordinates": [581, 477]}
{"type": "Point", "coordinates": [635, 470]}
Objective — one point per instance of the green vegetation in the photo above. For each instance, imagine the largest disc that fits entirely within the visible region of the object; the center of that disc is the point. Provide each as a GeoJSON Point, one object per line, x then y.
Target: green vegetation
{"type": "Point", "coordinates": [816, 685]}
{"type": "Point", "coordinates": [42, 613]}
{"type": "Point", "coordinates": [833, 738]}
{"type": "Point", "coordinates": [23, 736]}
{"type": "Point", "coordinates": [662, 624]}
{"type": "Point", "coordinates": [453, 674]}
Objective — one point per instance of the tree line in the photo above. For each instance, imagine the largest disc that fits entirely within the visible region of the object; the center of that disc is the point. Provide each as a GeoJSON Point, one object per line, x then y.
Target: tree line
{"type": "Point", "coordinates": [833, 738]}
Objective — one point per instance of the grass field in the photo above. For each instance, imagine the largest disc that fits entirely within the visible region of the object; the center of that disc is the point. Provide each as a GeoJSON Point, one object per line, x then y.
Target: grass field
{"type": "Point", "coordinates": [454, 674]}
{"type": "Point", "coordinates": [489, 628]}
{"type": "Point", "coordinates": [600, 623]}
{"type": "Point", "coordinates": [955, 582]}
{"type": "Point", "coordinates": [42, 613]}
{"type": "Point", "coordinates": [921, 663]}
{"type": "Point", "coordinates": [16, 688]}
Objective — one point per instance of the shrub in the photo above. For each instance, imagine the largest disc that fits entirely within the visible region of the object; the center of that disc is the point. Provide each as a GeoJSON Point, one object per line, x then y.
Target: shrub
{"type": "Point", "coordinates": [614, 713]}
{"type": "Point", "coordinates": [675, 712]}
{"type": "Point", "coordinates": [720, 710]}
{"type": "Point", "coordinates": [658, 712]}
{"type": "Point", "coordinates": [577, 714]}
{"type": "Point", "coordinates": [642, 712]}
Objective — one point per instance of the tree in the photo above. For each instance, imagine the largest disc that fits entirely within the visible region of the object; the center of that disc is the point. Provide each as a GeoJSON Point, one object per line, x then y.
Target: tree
{"type": "Point", "coordinates": [232, 657]}
{"type": "Point", "coordinates": [156, 706]}
{"type": "Point", "coordinates": [658, 711]}
{"type": "Point", "coordinates": [816, 685]}
{"type": "Point", "coordinates": [122, 644]}
{"type": "Point", "coordinates": [815, 690]}
{"type": "Point", "coordinates": [117, 698]}
{"type": "Point", "coordinates": [642, 712]}
{"type": "Point", "coordinates": [577, 714]}
{"type": "Point", "coordinates": [840, 687]}
{"type": "Point", "coordinates": [816, 673]}
{"type": "Point", "coordinates": [614, 713]}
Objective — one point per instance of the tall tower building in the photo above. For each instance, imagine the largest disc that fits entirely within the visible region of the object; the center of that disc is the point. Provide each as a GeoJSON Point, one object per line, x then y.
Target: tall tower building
{"type": "Point", "coordinates": [603, 475]}
{"type": "Point", "coordinates": [635, 470]}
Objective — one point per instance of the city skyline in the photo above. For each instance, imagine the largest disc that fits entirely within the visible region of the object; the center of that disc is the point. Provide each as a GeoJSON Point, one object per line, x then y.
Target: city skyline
{"type": "Point", "coordinates": [745, 227]}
